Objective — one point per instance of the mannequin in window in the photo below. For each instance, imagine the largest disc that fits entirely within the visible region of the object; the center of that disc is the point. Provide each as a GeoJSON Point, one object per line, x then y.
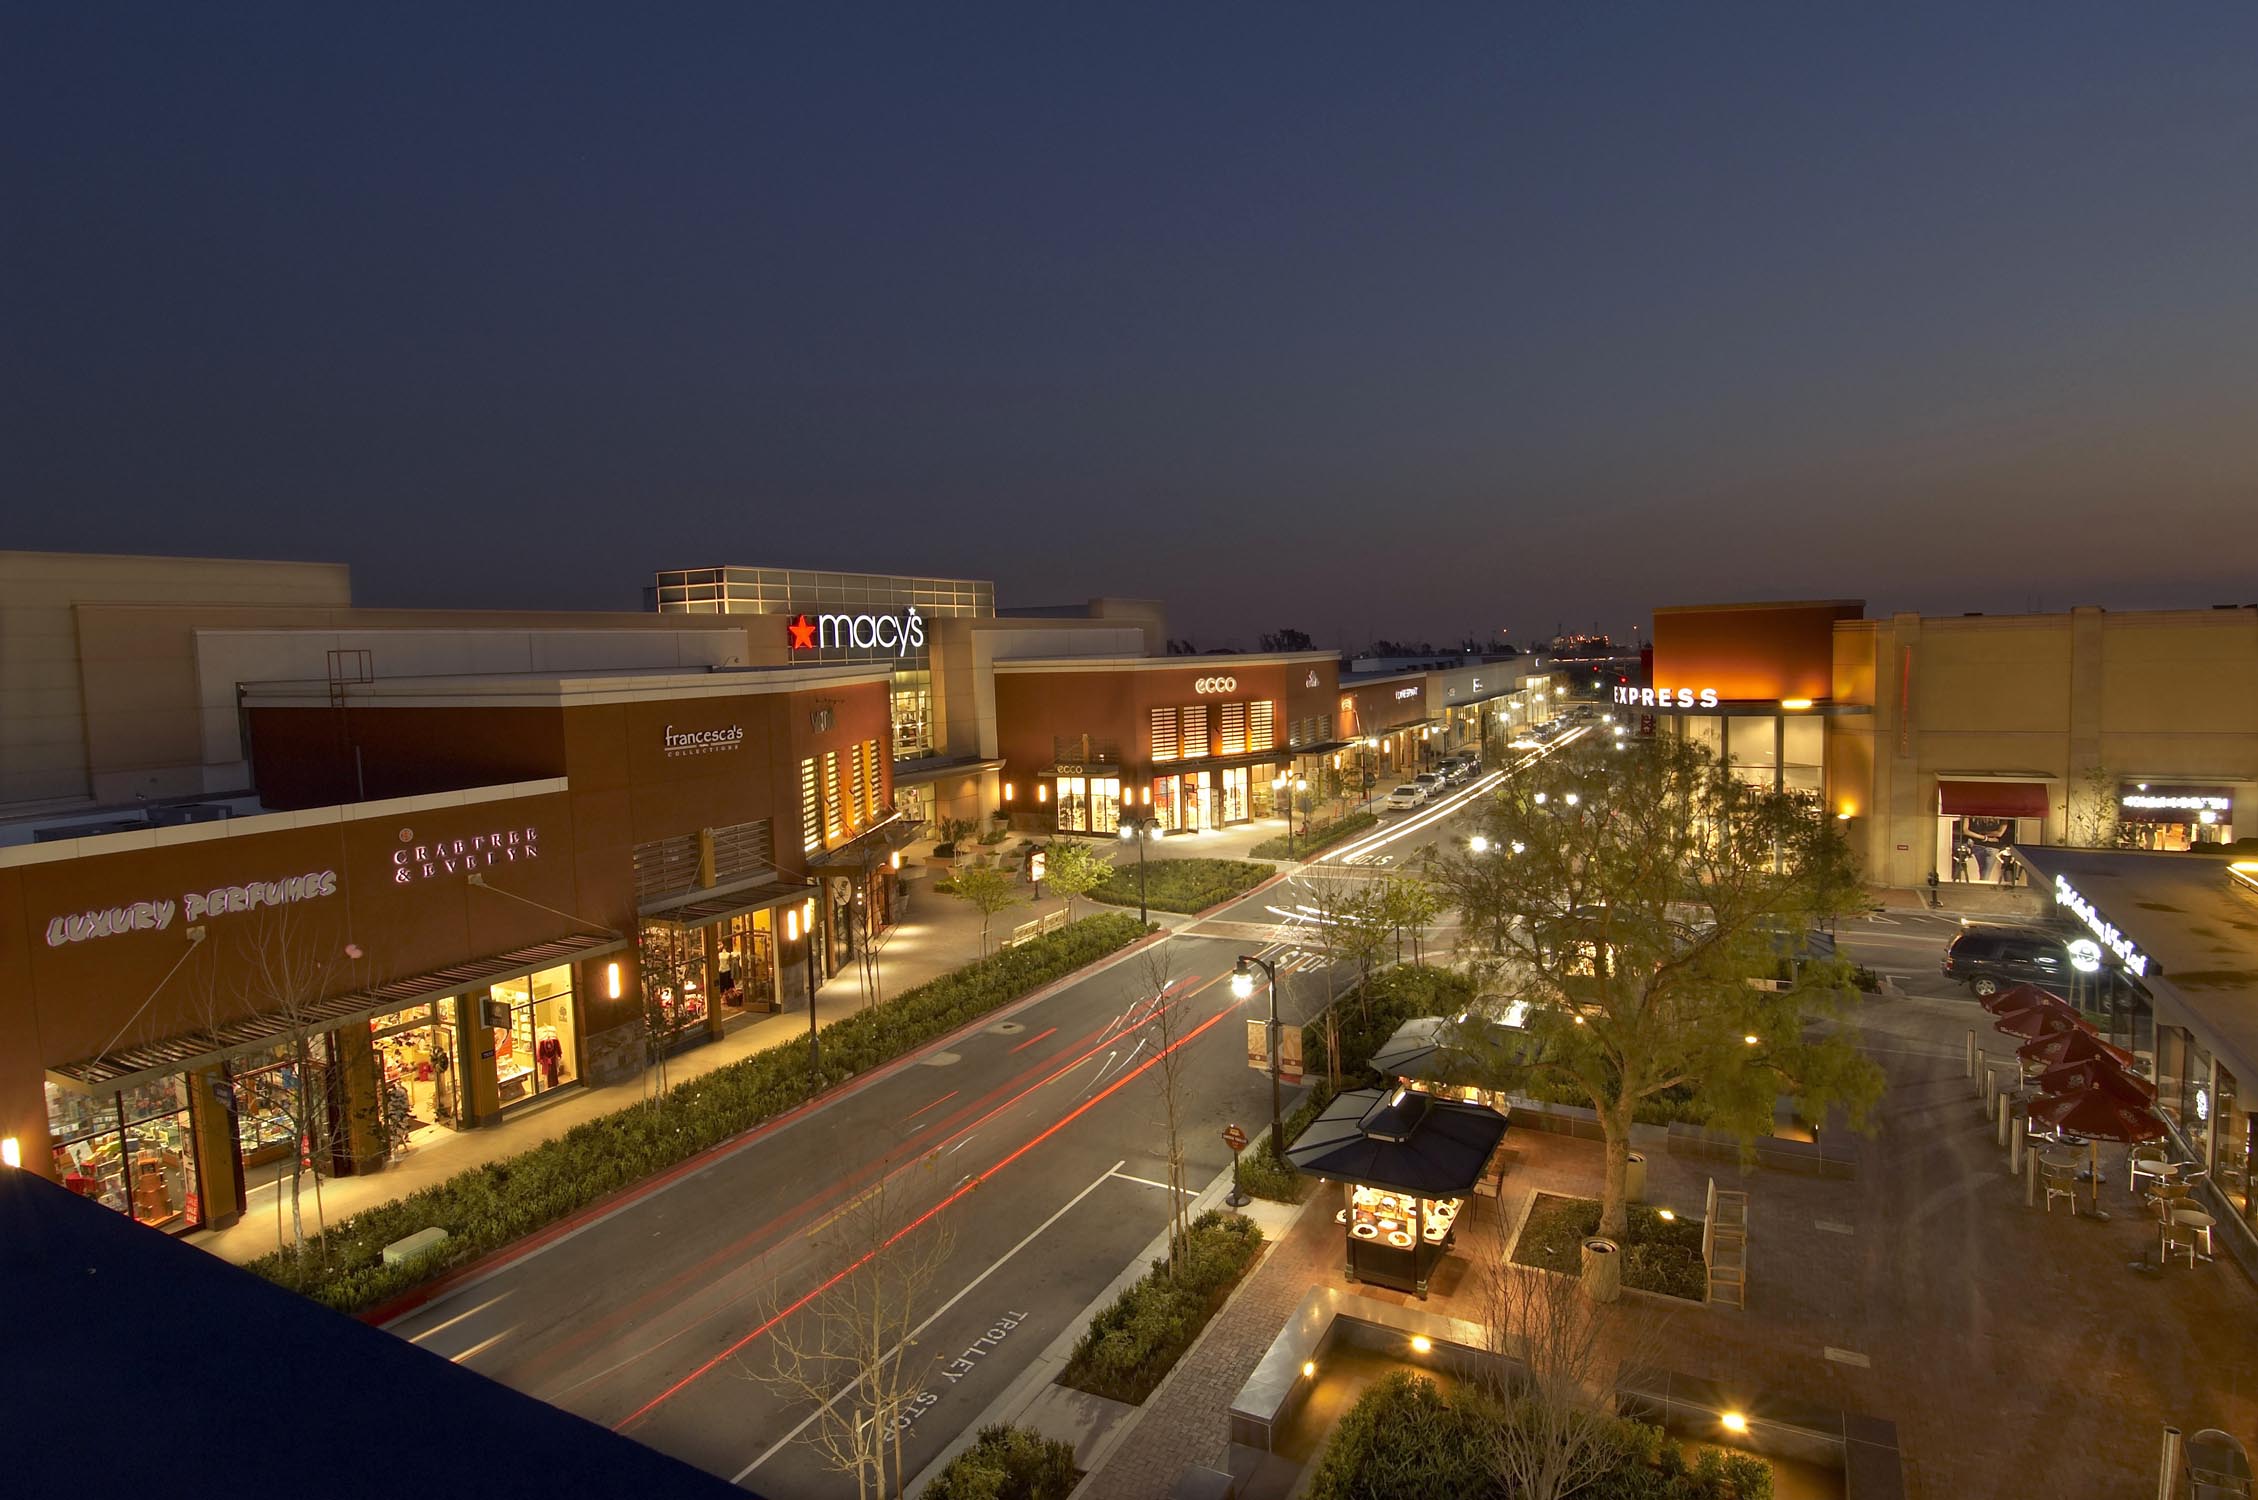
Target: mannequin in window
{"type": "Point", "coordinates": [549, 1052]}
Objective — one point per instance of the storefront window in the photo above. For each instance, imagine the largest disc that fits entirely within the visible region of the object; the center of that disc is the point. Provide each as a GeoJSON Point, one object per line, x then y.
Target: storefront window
{"type": "Point", "coordinates": [415, 1056]}
{"type": "Point", "coordinates": [913, 714]}
{"type": "Point", "coordinates": [266, 1105]}
{"type": "Point", "coordinates": [1753, 744]}
{"type": "Point", "coordinates": [1073, 804]}
{"type": "Point", "coordinates": [1164, 803]}
{"type": "Point", "coordinates": [534, 1053]}
{"type": "Point", "coordinates": [134, 1152]}
{"type": "Point", "coordinates": [1235, 783]}
{"type": "Point", "coordinates": [2230, 1158]}
{"type": "Point", "coordinates": [1105, 804]}
{"type": "Point", "coordinates": [1803, 754]}
{"type": "Point", "coordinates": [745, 968]}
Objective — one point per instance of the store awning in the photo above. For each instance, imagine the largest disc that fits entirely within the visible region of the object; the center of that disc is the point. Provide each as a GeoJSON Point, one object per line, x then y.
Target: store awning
{"type": "Point", "coordinates": [1397, 1139]}
{"type": "Point", "coordinates": [932, 768]}
{"type": "Point", "coordinates": [1992, 799]}
{"type": "Point", "coordinates": [145, 1062]}
{"type": "Point", "coordinates": [711, 909]}
{"type": "Point", "coordinates": [880, 839]}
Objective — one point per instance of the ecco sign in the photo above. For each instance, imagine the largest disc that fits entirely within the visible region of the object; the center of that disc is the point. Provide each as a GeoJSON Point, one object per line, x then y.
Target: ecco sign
{"type": "Point", "coordinates": [1637, 697]}
{"type": "Point", "coordinates": [156, 916]}
{"type": "Point", "coordinates": [703, 741]}
{"type": "Point", "coordinates": [1216, 685]}
{"type": "Point", "coordinates": [2066, 895]}
{"type": "Point", "coordinates": [900, 635]}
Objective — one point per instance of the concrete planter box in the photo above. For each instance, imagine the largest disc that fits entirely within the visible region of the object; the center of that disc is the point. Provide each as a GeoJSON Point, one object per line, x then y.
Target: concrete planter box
{"type": "Point", "coordinates": [1828, 1156]}
{"type": "Point", "coordinates": [1862, 1449]}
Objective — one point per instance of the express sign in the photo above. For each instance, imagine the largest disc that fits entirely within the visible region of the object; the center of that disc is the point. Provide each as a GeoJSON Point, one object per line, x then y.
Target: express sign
{"type": "Point", "coordinates": [1662, 697]}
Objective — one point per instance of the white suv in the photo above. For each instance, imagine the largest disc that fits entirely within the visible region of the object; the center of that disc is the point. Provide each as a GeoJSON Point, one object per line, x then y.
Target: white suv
{"type": "Point", "coordinates": [1405, 796]}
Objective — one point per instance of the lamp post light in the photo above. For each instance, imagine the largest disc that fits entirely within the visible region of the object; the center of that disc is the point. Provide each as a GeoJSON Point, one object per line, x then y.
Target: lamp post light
{"type": "Point", "coordinates": [1140, 828]}
{"type": "Point", "coordinates": [1242, 987]}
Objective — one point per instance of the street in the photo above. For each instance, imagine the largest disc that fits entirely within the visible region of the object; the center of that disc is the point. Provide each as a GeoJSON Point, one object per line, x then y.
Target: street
{"type": "Point", "coordinates": [1034, 1143]}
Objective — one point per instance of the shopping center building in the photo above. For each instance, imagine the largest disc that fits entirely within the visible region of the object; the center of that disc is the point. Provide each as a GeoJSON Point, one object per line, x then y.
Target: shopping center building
{"type": "Point", "coordinates": [1941, 740]}
{"type": "Point", "coordinates": [446, 898]}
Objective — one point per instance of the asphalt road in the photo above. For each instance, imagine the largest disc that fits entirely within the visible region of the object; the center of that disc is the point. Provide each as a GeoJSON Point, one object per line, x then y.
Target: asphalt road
{"type": "Point", "coordinates": [1028, 1154]}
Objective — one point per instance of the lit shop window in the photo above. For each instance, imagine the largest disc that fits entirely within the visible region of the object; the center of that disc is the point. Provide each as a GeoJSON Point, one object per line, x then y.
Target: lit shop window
{"type": "Point", "coordinates": [133, 1151]}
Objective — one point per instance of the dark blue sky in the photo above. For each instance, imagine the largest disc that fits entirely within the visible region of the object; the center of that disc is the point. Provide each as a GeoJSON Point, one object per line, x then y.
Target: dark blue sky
{"type": "Point", "coordinates": [1403, 320]}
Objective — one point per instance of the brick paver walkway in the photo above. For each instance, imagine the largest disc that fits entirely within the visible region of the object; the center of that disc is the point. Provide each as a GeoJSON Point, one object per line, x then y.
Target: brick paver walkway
{"type": "Point", "coordinates": [1187, 1421]}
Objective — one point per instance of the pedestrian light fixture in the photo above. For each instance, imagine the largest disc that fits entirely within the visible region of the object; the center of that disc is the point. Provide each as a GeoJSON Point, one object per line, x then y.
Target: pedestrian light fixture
{"type": "Point", "coordinates": [1242, 981]}
{"type": "Point", "coordinates": [1478, 844]}
{"type": "Point", "coordinates": [1571, 799]}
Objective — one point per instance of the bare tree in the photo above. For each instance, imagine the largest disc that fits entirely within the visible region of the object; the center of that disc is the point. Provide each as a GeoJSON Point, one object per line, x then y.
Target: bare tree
{"type": "Point", "coordinates": [851, 1351]}
{"type": "Point", "coordinates": [1167, 1028]}
{"type": "Point", "coordinates": [671, 959]}
{"type": "Point", "coordinates": [1555, 1435]}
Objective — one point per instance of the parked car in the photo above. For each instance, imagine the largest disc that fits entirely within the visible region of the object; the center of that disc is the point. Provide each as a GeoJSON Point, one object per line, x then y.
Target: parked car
{"type": "Point", "coordinates": [1409, 795]}
{"type": "Point", "coordinates": [1988, 958]}
{"type": "Point", "coordinates": [1433, 783]}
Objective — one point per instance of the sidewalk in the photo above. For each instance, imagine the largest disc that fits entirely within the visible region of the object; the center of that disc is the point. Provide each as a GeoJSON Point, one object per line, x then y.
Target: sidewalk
{"type": "Point", "coordinates": [940, 934]}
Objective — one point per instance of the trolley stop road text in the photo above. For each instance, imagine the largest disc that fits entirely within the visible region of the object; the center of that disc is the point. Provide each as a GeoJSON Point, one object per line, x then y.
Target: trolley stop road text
{"type": "Point", "coordinates": [964, 1364]}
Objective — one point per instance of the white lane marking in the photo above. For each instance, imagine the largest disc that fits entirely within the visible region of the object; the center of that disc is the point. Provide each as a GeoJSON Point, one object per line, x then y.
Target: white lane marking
{"type": "Point", "coordinates": [1849, 1357]}
{"type": "Point", "coordinates": [484, 1344]}
{"type": "Point", "coordinates": [1148, 1182]}
{"type": "Point", "coordinates": [1443, 809]}
{"type": "Point", "coordinates": [457, 1318]}
{"type": "Point", "coordinates": [778, 1446]}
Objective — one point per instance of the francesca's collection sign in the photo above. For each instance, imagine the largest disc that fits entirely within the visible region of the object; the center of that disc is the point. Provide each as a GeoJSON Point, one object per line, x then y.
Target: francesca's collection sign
{"type": "Point", "coordinates": [681, 742]}
{"type": "Point", "coordinates": [412, 861]}
{"type": "Point", "coordinates": [193, 906]}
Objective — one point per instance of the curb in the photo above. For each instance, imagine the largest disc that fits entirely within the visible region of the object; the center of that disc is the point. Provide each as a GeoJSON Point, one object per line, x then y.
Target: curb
{"type": "Point", "coordinates": [1043, 1371]}
{"type": "Point", "coordinates": [500, 1259]}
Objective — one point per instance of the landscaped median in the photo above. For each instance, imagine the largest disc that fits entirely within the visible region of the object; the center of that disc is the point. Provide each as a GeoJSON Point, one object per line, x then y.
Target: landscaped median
{"type": "Point", "coordinates": [1184, 885]}
{"type": "Point", "coordinates": [1131, 1346]}
{"type": "Point", "coordinates": [1307, 842]}
{"type": "Point", "coordinates": [490, 1206]}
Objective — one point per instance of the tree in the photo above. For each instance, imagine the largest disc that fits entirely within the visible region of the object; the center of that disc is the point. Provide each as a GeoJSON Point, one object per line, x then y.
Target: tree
{"type": "Point", "coordinates": [850, 1349]}
{"type": "Point", "coordinates": [989, 890]}
{"type": "Point", "coordinates": [1075, 868]}
{"type": "Point", "coordinates": [1632, 897]}
{"type": "Point", "coordinates": [1285, 640]}
{"type": "Point", "coordinates": [672, 958]}
{"type": "Point", "coordinates": [1553, 1437]}
{"type": "Point", "coordinates": [2095, 821]}
{"type": "Point", "coordinates": [1305, 799]}
{"type": "Point", "coordinates": [1168, 1026]}
{"type": "Point", "coordinates": [1407, 906]}
{"type": "Point", "coordinates": [1360, 932]}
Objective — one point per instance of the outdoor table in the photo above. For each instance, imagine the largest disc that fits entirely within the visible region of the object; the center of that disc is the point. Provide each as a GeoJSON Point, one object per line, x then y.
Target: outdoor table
{"type": "Point", "coordinates": [2186, 1218]}
{"type": "Point", "coordinates": [2057, 1159]}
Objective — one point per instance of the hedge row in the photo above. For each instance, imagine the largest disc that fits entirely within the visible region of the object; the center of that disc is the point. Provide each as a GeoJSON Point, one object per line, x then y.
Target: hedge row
{"type": "Point", "coordinates": [1184, 885]}
{"type": "Point", "coordinates": [1132, 1344]}
{"type": "Point", "coordinates": [489, 1206]}
{"type": "Point", "coordinates": [1008, 1463]}
{"type": "Point", "coordinates": [1405, 1439]}
{"type": "Point", "coordinates": [1303, 845]}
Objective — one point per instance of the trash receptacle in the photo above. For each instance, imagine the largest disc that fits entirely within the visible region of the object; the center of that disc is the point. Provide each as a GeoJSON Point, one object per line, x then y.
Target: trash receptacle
{"type": "Point", "coordinates": [1634, 1178]}
{"type": "Point", "coordinates": [1603, 1269]}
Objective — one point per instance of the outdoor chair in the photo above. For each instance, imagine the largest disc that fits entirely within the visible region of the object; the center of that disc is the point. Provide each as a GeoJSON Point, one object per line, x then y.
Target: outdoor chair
{"type": "Point", "coordinates": [2060, 1182]}
{"type": "Point", "coordinates": [2163, 1197]}
{"type": "Point", "coordinates": [2192, 1238]}
{"type": "Point", "coordinates": [2138, 1163]}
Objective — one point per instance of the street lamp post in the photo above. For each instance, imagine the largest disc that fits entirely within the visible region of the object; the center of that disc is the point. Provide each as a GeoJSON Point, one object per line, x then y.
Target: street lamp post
{"type": "Point", "coordinates": [1139, 827]}
{"type": "Point", "coordinates": [1242, 986]}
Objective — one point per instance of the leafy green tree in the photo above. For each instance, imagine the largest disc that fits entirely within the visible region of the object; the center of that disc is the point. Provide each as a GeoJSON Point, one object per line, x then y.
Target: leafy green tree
{"type": "Point", "coordinates": [1634, 898]}
{"type": "Point", "coordinates": [1075, 868]}
{"type": "Point", "coordinates": [988, 890]}
{"type": "Point", "coordinates": [1408, 906]}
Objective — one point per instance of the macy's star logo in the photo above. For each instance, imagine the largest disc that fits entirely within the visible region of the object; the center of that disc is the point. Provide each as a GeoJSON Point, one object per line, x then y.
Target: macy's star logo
{"type": "Point", "coordinates": [803, 633]}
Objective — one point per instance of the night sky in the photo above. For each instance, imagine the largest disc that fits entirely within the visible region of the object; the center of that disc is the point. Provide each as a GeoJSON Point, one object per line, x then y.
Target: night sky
{"type": "Point", "coordinates": [1376, 320]}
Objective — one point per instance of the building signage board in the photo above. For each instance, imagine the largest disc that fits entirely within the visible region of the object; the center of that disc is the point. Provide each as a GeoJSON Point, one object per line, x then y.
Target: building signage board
{"type": "Point", "coordinates": [900, 634]}
{"type": "Point", "coordinates": [2154, 802]}
{"type": "Point", "coordinates": [2066, 896]}
{"type": "Point", "coordinates": [1409, 692]}
{"type": "Point", "coordinates": [1289, 1050]}
{"type": "Point", "coordinates": [193, 906]}
{"type": "Point", "coordinates": [1663, 697]}
{"type": "Point", "coordinates": [1216, 685]}
{"type": "Point", "coordinates": [682, 742]}
{"type": "Point", "coordinates": [412, 861]}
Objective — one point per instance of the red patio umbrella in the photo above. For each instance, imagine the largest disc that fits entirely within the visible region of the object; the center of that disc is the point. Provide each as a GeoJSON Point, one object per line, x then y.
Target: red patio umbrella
{"type": "Point", "coordinates": [2099, 1114]}
{"type": "Point", "coordinates": [2018, 997]}
{"type": "Point", "coordinates": [2035, 1021]}
{"type": "Point", "coordinates": [2103, 1073]}
{"type": "Point", "coordinates": [2074, 1045]}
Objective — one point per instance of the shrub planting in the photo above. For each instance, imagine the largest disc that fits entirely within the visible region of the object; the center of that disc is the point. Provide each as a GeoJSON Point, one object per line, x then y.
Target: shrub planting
{"type": "Point", "coordinates": [1184, 885]}
{"type": "Point", "coordinates": [1132, 1344]}
{"type": "Point", "coordinates": [1320, 835]}
{"type": "Point", "coordinates": [1661, 1255]}
{"type": "Point", "coordinates": [1007, 1463]}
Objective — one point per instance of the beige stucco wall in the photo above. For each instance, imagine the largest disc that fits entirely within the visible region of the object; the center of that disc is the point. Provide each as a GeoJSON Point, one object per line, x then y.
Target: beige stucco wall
{"type": "Point", "coordinates": [2169, 696]}
{"type": "Point", "coordinates": [43, 693]}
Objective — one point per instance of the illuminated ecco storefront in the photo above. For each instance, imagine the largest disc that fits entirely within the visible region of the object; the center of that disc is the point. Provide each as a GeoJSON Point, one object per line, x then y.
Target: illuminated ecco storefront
{"type": "Point", "coordinates": [1942, 742]}
{"type": "Point", "coordinates": [1195, 743]}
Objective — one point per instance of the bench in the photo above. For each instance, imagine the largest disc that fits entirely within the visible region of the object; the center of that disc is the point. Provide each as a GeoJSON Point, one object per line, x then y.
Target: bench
{"type": "Point", "coordinates": [415, 1246]}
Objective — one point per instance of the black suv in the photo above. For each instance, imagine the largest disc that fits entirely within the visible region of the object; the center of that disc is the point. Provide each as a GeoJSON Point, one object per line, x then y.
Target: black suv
{"type": "Point", "coordinates": [1989, 959]}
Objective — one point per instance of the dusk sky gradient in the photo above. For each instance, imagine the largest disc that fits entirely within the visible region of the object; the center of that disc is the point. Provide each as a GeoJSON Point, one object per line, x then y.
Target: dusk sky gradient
{"type": "Point", "coordinates": [1375, 320]}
